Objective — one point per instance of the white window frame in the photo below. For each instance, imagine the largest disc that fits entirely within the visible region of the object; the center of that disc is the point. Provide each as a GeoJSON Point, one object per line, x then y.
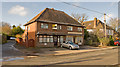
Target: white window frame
{"type": "Point", "coordinates": [44, 25]}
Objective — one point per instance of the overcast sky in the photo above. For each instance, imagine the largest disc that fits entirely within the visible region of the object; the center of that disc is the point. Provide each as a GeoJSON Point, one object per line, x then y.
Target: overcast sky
{"type": "Point", "coordinates": [17, 13]}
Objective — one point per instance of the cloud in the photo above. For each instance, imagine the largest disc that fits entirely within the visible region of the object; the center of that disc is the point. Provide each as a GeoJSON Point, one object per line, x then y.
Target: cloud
{"type": "Point", "coordinates": [18, 10]}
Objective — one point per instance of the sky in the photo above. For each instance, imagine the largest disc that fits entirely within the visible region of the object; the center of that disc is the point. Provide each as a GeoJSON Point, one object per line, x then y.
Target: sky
{"type": "Point", "coordinates": [17, 13]}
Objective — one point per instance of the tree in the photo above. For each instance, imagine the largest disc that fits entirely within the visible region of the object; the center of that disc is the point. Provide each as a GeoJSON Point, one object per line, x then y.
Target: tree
{"type": "Point", "coordinates": [104, 41]}
{"type": "Point", "coordinates": [86, 34]}
{"type": "Point", "coordinates": [6, 28]}
{"type": "Point", "coordinates": [17, 30]}
{"type": "Point", "coordinates": [113, 22]}
{"type": "Point", "coordinates": [13, 26]}
{"type": "Point", "coordinates": [118, 30]}
{"type": "Point", "coordinates": [80, 17]}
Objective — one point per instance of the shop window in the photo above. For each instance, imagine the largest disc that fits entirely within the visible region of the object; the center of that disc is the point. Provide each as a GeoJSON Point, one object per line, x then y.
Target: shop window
{"type": "Point", "coordinates": [69, 38]}
{"type": "Point", "coordinates": [45, 39]}
{"type": "Point", "coordinates": [61, 39]}
{"type": "Point", "coordinates": [40, 40]}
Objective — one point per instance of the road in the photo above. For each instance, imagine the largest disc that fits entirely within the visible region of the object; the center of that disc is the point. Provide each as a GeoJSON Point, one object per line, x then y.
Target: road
{"type": "Point", "coordinates": [103, 57]}
{"type": "Point", "coordinates": [8, 50]}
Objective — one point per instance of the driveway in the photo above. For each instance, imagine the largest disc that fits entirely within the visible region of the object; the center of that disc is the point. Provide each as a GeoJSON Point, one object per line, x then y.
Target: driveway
{"type": "Point", "coordinates": [8, 50]}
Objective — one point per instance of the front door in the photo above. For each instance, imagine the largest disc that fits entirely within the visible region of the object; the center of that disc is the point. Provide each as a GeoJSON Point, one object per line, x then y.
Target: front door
{"type": "Point", "coordinates": [55, 39]}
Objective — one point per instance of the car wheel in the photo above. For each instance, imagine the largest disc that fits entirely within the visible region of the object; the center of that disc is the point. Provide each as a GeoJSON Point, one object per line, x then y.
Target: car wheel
{"type": "Point", "coordinates": [70, 48]}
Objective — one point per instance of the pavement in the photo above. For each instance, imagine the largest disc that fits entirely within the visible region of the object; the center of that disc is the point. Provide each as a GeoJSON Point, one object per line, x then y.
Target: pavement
{"type": "Point", "coordinates": [64, 51]}
{"type": "Point", "coordinates": [84, 49]}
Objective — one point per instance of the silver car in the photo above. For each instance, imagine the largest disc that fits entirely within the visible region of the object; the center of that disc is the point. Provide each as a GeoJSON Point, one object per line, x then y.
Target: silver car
{"type": "Point", "coordinates": [70, 45]}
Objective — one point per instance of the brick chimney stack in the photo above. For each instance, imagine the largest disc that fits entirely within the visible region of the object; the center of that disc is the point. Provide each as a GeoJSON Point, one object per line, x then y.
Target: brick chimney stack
{"type": "Point", "coordinates": [95, 22]}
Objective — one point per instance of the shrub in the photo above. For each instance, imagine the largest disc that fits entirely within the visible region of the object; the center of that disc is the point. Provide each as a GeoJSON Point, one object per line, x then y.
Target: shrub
{"type": "Point", "coordinates": [112, 42]}
{"type": "Point", "coordinates": [90, 42]}
{"type": "Point", "coordinates": [4, 38]}
{"type": "Point", "coordinates": [104, 41]}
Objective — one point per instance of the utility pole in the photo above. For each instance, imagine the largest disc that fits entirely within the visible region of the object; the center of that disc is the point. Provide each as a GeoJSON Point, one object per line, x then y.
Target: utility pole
{"type": "Point", "coordinates": [105, 23]}
{"type": "Point", "coordinates": [27, 37]}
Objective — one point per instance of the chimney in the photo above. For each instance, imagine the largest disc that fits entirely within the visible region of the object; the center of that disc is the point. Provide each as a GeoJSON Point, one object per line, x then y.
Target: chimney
{"type": "Point", "coordinates": [95, 22]}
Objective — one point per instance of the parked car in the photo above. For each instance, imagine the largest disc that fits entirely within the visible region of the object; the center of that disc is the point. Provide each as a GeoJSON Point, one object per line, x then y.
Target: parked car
{"type": "Point", "coordinates": [70, 45]}
{"type": "Point", "coordinates": [117, 42]}
{"type": "Point", "coordinates": [12, 38]}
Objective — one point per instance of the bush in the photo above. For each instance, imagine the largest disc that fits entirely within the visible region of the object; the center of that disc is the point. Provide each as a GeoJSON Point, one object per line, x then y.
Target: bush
{"type": "Point", "coordinates": [111, 42]}
{"type": "Point", "coordinates": [105, 41]}
{"type": "Point", "coordinates": [4, 38]}
{"type": "Point", "coordinates": [90, 42]}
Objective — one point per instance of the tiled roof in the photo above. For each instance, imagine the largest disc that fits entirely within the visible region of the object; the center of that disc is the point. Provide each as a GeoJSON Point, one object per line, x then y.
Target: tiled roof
{"type": "Point", "coordinates": [54, 16]}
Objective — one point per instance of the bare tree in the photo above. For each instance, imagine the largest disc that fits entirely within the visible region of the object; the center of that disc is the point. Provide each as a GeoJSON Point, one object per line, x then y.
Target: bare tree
{"type": "Point", "coordinates": [104, 41]}
{"type": "Point", "coordinates": [6, 28]}
{"type": "Point", "coordinates": [80, 17]}
{"type": "Point", "coordinates": [113, 22]}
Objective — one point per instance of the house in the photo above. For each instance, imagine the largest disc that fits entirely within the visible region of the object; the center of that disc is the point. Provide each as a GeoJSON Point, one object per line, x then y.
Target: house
{"type": "Point", "coordinates": [52, 27]}
{"type": "Point", "coordinates": [92, 25]}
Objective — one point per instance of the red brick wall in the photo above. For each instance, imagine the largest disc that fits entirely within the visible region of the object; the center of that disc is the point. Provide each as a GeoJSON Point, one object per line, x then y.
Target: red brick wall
{"type": "Point", "coordinates": [63, 30]}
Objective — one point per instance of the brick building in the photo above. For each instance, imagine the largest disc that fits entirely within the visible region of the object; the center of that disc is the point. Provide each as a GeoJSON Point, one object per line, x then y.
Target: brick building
{"type": "Point", "coordinates": [92, 25]}
{"type": "Point", "coordinates": [52, 27]}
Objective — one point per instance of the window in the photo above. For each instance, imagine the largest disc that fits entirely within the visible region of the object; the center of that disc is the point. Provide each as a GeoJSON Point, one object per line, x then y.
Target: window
{"type": "Point", "coordinates": [43, 25]}
{"type": "Point", "coordinates": [61, 39]}
{"type": "Point", "coordinates": [79, 29]}
{"type": "Point", "coordinates": [28, 28]}
{"type": "Point", "coordinates": [40, 39]}
{"type": "Point", "coordinates": [55, 26]}
{"type": "Point", "coordinates": [69, 28]}
{"type": "Point", "coordinates": [59, 27]}
{"type": "Point", "coordinates": [69, 38]}
{"type": "Point", "coordinates": [51, 38]}
{"type": "Point", "coordinates": [45, 39]}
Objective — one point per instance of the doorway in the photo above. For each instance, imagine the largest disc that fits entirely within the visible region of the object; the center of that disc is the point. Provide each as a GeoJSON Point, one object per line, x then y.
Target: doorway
{"type": "Point", "coordinates": [55, 40]}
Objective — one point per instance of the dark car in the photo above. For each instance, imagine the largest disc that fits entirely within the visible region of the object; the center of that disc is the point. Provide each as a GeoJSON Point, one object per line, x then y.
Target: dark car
{"type": "Point", "coordinates": [117, 42]}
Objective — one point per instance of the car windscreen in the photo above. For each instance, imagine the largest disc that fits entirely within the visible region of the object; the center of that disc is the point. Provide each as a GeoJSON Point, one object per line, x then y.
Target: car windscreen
{"type": "Point", "coordinates": [71, 43]}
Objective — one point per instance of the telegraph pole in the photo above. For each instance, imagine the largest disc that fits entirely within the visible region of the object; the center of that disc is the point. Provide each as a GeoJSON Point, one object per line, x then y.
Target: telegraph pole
{"type": "Point", "coordinates": [105, 23]}
{"type": "Point", "coordinates": [27, 37]}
